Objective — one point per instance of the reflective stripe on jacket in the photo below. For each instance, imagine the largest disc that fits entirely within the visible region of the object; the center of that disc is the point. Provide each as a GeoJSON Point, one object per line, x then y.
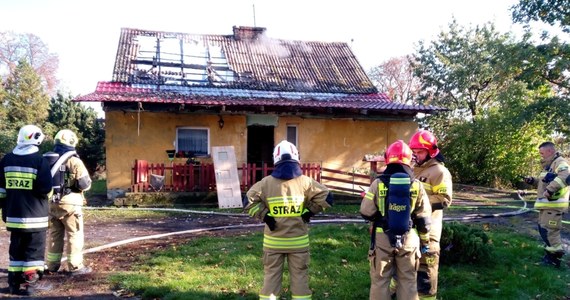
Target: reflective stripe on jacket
{"type": "Point", "coordinates": [285, 200]}
{"type": "Point", "coordinates": [374, 198]}
{"type": "Point", "coordinates": [437, 183]}
{"type": "Point", "coordinates": [559, 199]}
{"type": "Point", "coordinates": [25, 182]}
{"type": "Point", "coordinates": [78, 181]}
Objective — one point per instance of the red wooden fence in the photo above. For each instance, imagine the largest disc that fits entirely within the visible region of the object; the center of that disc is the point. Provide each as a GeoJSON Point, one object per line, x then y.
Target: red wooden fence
{"type": "Point", "coordinates": [190, 178]}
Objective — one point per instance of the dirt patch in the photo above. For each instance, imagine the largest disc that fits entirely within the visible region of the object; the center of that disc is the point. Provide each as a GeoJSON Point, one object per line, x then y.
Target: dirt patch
{"type": "Point", "coordinates": [121, 257]}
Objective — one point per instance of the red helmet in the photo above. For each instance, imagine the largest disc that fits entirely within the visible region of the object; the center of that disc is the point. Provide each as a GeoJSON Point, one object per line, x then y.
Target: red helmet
{"type": "Point", "coordinates": [424, 139]}
{"type": "Point", "coordinates": [398, 153]}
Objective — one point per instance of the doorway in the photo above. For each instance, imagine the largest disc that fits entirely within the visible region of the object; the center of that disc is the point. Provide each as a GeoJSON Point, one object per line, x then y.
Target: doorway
{"type": "Point", "coordinates": [260, 140]}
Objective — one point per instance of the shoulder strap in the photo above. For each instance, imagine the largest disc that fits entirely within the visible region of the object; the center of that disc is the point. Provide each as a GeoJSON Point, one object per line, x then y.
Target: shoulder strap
{"type": "Point", "coordinates": [62, 159]}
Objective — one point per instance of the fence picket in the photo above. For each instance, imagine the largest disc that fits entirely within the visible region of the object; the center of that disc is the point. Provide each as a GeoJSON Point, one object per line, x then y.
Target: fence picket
{"type": "Point", "coordinates": [190, 178]}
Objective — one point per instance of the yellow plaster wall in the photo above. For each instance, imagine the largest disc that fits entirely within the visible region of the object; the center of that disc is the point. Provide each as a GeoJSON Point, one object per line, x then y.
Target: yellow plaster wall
{"type": "Point", "coordinates": [342, 143]}
{"type": "Point", "coordinates": [336, 143]}
{"type": "Point", "coordinates": [130, 136]}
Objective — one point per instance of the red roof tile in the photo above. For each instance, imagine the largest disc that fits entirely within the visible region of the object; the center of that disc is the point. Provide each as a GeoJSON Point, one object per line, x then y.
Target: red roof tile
{"type": "Point", "coordinates": [116, 92]}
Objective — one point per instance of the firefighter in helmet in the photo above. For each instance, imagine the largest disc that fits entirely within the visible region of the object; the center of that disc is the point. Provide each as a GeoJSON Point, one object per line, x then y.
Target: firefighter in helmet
{"type": "Point", "coordinates": [285, 201]}
{"type": "Point", "coordinates": [552, 202]}
{"type": "Point", "coordinates": [430, 170]}
{"type": "Point", "coordinates": [398, 208]}
{"type": "Point", "coordinates": [25, 185]}
{"type": "Point", "coordinates": [70, 180]}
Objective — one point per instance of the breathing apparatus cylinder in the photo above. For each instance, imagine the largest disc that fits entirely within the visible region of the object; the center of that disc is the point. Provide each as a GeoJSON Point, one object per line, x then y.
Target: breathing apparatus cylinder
{"type": "Point", "coordinates": [399, 206]}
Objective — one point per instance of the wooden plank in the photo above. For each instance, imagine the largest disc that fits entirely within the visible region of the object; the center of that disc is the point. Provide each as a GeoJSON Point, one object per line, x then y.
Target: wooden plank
{"type": "Point", "coordinates": [226, 175]}
{"type": "Point", "coordinates": [332, 187]}
{"type": "Point", "coordinates": [345, 181]}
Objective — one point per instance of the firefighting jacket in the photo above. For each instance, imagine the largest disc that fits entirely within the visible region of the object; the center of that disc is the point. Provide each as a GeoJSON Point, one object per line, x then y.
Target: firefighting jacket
{"type": "Point", "coordinates": [25, 182]}
{"type": "Point", "coordinates": [436, 179]}
{"type": "Point", "coordinates": [373, 207]}
{"type": "Point", "coordinates": [77, 181]}
{"type": "Point", "coordinates": [285, 200]}
{"type": "Point", "coordinates": [557, 187]}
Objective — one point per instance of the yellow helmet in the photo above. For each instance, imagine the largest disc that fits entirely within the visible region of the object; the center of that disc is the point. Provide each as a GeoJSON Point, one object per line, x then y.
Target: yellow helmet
{"type": "Point", "coordinates": [66, 137]}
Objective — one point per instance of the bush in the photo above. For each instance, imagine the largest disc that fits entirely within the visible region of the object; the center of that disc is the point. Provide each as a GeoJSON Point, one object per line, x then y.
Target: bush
{"type": "Point", "coordinates": [462, 243]}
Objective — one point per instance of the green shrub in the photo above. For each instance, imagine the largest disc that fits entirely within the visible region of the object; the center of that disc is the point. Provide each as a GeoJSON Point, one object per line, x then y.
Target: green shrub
{"type": "Point", "coordinates": [462, 243]}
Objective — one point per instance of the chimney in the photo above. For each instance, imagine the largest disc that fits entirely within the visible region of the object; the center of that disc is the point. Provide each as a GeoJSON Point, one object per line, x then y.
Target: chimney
{"type": "Point", "coordinates": [245, 33]}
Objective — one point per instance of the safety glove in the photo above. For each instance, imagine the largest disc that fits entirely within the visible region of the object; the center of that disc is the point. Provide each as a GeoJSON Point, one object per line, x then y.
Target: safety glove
{"type": "Point", "coordinates": [270, 221]}
{"type": "Point", "coordinates": [528, 179]}
{"type": "Point", "coordinates": [307, 215]}
{"type": "Point", "coordinates": [548, 195]}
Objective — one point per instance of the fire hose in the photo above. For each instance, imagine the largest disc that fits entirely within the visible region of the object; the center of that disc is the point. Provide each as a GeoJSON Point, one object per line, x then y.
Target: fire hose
{"type": "Point", "coordinates": [522, 210]}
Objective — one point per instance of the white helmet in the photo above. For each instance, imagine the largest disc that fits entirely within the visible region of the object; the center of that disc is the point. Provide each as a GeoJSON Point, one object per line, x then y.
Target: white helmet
{"type": "Point", "coordinates": [30, 135]}
{"type": "Point", "coordinates": [285, 151]}
{"type": "Point", "coordinates": [66, 137]}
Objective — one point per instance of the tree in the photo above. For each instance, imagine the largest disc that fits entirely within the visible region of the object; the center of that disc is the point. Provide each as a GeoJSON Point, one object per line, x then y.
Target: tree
{"type": "Point", "coordinates": [3, 120]}
{"type": "Point", "coordinates": [395, 77]}
{"type": "Point", "coordinates": [549, 60]}
{"type": "Point", "coordinates": [501, 107]}
{"type": "Point", "coordinates": [25, 99]}
{"type": "Point", "coordinates": [499, 148]}
{"type": "Point", "coordinates": [15, 47]}
{"type": "Point", "coordinates": [65, 114]}
{"type": "Point", "coordinates": [552, 12]}
{"type": "Point", "coordinates": [464, 69]}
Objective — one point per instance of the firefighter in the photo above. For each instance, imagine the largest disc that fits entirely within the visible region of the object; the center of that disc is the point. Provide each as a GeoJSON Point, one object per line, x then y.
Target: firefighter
{"type": "Point", "coordinates": [70, 179]}
{"type": "Point", "coordinates": [286, 200]}
{"type": "Point", "coordinates": [552, 202]}
{"type": "Point", "coordinates": [25, 185]}
{"type": "Point", "coordinates": [430, 170]}
{"type": "Point", "coordinates": [398, 209]}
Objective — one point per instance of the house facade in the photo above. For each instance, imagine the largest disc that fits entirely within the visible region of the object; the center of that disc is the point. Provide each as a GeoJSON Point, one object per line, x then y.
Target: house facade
{"type": "Point", "coordinates": [186, 93]}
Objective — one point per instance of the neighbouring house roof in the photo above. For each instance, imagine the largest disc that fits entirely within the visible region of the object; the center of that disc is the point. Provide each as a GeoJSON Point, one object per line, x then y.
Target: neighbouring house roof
{"type": "Point", "coordinates": [245, 70]}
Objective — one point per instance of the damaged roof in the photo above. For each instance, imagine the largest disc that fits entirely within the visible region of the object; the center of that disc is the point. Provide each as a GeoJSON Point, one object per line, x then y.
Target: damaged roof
{"type": "Point", "coordinates": [244, 69]}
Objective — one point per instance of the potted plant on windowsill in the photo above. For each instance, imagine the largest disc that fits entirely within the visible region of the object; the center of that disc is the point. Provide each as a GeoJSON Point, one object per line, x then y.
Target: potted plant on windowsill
{"type": "Point", "coordinates": [193, 161]}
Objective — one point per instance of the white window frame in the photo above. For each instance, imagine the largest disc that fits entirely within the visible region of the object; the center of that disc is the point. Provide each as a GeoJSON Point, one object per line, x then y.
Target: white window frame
{"type": "Point", "coordinates": [207, 129]}
{"type": "Point", "coordinates": [296, 127]}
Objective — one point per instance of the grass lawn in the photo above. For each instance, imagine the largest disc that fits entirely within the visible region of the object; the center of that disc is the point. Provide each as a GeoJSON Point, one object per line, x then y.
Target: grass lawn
{"type": "Point", "coordinates": [231, 268]}
{"type": "Point", "coordinates": [97, 187]}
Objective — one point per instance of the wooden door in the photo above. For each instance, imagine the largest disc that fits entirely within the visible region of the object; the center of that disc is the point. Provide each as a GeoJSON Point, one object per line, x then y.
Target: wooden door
{"type": "Point", "coordinates": [227, 181]}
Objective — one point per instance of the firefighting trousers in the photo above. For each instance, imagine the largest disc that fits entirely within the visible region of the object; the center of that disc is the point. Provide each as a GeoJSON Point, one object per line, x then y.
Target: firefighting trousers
{"type": "Point", "coordinates": [387, 261]}
{"type": "Point", "coordinates": [549, 227]}
{"type": "Point", "coordinates": [298, 264]}
{"type": "Point", "coordinates": [429, 262]}
{"type": "Point", "coordinates": [26, 253]}
{"type": "Point", "coordinates": [65, 223]}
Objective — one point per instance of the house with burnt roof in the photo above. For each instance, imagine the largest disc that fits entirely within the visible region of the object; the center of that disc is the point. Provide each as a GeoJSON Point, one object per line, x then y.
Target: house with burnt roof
{"type": "Point", "coordinates": [185, 93]}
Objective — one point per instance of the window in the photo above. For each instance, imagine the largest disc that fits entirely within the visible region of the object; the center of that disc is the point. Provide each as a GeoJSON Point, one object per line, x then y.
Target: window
{"type": "Point", "coordinates": [292, 134]}
{"type": "Point", "coordinates": [194, 140]}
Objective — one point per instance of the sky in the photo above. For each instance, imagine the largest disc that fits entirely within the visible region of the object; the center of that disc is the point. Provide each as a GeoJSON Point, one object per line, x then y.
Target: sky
{"type": "Point", "coordinates": [85, 33]}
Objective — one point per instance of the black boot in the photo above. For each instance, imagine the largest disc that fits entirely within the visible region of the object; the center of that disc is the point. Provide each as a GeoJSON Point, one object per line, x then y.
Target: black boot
{"type": "Point", "coordinates": [558, 258]}
{"type": "Point", "coordinates": [14, 288]}
{"type": "Point", "coordinates": [14, 281]}
{"type": "Point", "coordinates": [552, 259]}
